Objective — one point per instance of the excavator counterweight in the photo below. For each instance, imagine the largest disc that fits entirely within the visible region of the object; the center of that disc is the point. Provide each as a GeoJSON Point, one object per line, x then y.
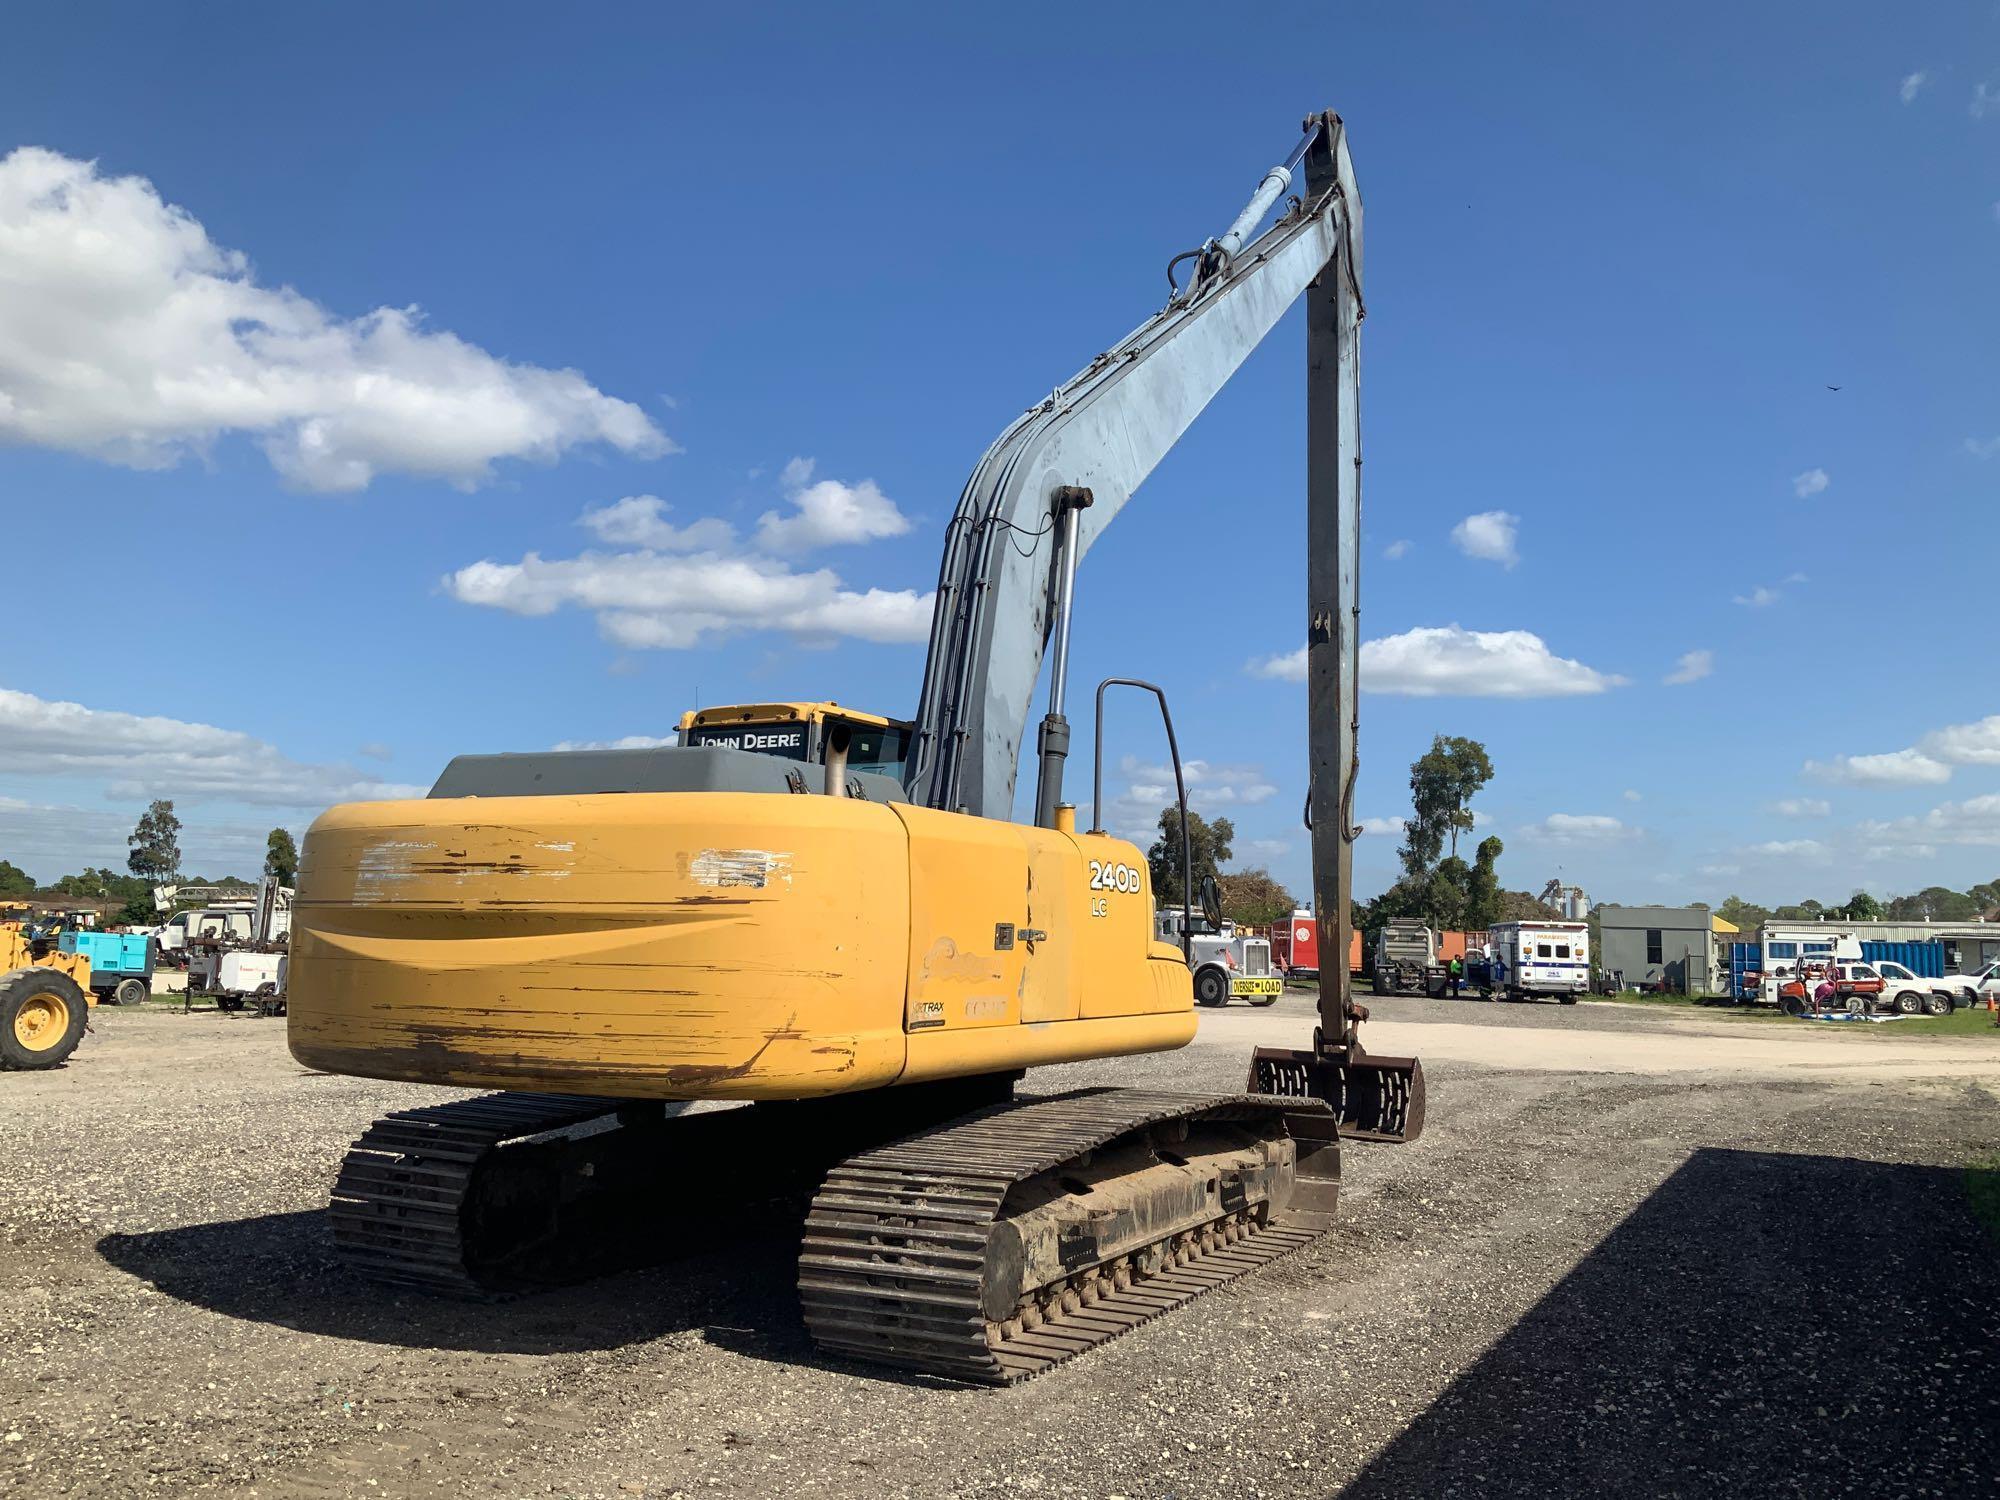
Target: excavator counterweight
{"type": "Point", "coordinates": [826, 917]}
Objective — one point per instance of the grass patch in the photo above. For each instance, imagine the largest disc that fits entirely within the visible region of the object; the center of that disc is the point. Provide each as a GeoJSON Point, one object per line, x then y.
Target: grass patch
{"type": "Point", "coordinates": [1982, 1186]}
{"type": "Point", "coordinates": [1966, 1021]}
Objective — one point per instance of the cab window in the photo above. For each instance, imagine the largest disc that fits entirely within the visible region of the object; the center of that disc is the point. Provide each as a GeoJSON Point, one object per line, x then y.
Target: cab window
{"type": "Point", "coordinates": [880, 748]}
{"type": "Point", "coordinates": [1782, 950]}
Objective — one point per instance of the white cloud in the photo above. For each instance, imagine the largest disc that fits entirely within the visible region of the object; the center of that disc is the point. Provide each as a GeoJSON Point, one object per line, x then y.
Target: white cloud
{"type": "Point", "coordinates": [1267, 848]}
{"type": "Point", "coordinates": [1985, 99]}
{"type": "Point", "coordinates": [1632, 796]}
{"type": "Point", "coordinates": [1212, 789]}
{"type": "Point", "coordinates": [1976, 744]}
{"type": "Point", "coordinates": [1397, 550]}
{"type": "Point", "coordinates": [828, 513]}
{"type": "Point", "coordinates": [1929, 762]}
{"type": "Point", "coordinates": [1580, 828]}
{"type": "Point", "coordinates": [1490, 535]}
{"type": "Point", "coordinates": [1912, 85]}
{"type": "Point", "coordinates": [687, 584]}
{"type": "Point", "coordinates": [1802, 807]}
{"type": "Point", "coordinates": [1691, 667]}
{"type": "Point", "coordinates": [1208, 785]}
{"type": "Point", "coordinates": [1984, 447]}
{"type": "Point", "coordinates": [645, 600]}
{"type": "Point", "coordinates": [51, 840]}
{"type": "Point", "coordinates": [1439, 661]}
{"type": "Point", "coordinates": [1449, 661]}
{"type": "Point", "coordinates": [1719, 870]}
{"type": "Point", "coordinates": [1893, 768]}
{"type": "Point", "coordinates": [142, 757]}
{"type": "Point", "coordinates": [1788, 849]}
{"type": "Point", "coordinates": [1810, 483]}
{"type": "Point", "coordinates": [1975, 822]}
{"type": "Point", "coordinates": [1287, 666]}
{"type": "Point", "coordinates": [640, 521]}
{"type": "Point", "coordinates": [1385, 827]}
{"type": "Point", "coordinates": [623, 742]}
{"type": "Point", "coordinates": [128, 335]}
{"type": "Point", "coordinates": [1761, 597]}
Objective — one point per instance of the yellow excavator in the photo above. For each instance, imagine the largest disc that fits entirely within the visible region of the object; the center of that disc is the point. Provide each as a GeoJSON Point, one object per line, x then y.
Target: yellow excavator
{"type": "Point", "coordinates": [830, 916]}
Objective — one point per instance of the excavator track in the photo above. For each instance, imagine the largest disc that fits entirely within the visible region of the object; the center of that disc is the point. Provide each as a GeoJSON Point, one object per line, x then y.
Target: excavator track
{"type": "Point", "coordinates": [989, 1245]}
{"type": "Point", "coordinates": [904, 1249]}
{"type": "Point", "coordinates": [401, 1203]}
{"type": "Point", "coordinates": [506, 1193]}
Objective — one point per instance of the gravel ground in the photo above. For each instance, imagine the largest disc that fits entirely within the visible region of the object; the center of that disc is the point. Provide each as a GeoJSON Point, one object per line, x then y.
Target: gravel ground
{"type": "Point", "coordinates": [1661, 1282]}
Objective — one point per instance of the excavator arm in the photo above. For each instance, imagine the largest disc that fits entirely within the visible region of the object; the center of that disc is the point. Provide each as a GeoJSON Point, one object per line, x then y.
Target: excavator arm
{"type": "Point", "coordinates": [1059, 475]}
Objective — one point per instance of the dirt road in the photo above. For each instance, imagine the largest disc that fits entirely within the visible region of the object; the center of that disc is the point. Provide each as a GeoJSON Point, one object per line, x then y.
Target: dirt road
{"type": "Point", "coordinates": [1627, 1255]}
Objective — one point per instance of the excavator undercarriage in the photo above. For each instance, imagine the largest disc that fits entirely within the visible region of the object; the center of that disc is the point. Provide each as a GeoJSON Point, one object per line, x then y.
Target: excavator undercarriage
{"type": "Point", "coordinates": [998, 1240]}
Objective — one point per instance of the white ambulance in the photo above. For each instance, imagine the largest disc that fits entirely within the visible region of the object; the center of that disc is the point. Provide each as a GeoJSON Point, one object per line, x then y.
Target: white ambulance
{"type": "Point", "coordinates": [1531, 959]}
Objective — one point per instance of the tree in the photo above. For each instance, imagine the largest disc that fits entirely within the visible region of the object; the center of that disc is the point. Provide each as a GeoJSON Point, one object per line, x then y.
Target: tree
{"type": "Point", "coordinates": [1933, 904]}
{"type": "Point", "coordinates": [1210, 848]}
{"type": "Point", "coordinates": [1251, 898]}
{"type": "Point", "coordinates": [281, 857]}
{"type": "Point", "coordinates": [1443, 782]}
{"type": "Point", "coordinates": [1446, 893]}
{"type": "Point", "coordinates": [1520, 906]}
{"type": "Point", "coordinates": [15, 881]}
{"type": "Point", "coordinates": [1482, 890]}
{"type": "Point", "coordinates": [1741, 914]}
{"type": "Point", "coordinates": [1861, 907]}
{"type": "Point", "coordinates": [156, 844]}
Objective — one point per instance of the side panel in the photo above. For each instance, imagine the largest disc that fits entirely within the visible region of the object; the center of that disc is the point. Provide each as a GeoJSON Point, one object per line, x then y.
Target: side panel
{"type": "Point", "coordinates": [726, 945]}
{"type": "Point", "coordinates": [1097, 985]}
{"type": "Point", "coordinates": [1117, 952]}
{"type": "Point", "coordinates": [1055, 967]}
{"type": "Point", "coordinates": [968, 879]}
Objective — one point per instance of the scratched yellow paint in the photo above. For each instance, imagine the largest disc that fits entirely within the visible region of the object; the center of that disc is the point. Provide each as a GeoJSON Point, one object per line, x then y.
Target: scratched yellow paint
{"type": "Point", "coordinates": [726, 945]}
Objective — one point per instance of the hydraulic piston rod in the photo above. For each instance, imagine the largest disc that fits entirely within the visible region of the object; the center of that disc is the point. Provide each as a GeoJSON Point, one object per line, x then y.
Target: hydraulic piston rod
{"type": "Point", "coordinates": [1275, 182]}
{"type": "Point", "coordinates": [1053, 743]}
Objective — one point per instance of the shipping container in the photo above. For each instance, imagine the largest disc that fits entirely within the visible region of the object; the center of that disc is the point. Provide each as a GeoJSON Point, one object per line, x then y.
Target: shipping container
{"type": "Point", "coordinates": [1746, 970]}
{"type": "Point", "coordinates": [1925, 959]}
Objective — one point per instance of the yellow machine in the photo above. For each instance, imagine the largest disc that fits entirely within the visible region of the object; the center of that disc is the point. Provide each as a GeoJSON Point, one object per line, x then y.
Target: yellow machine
{"type": "Point", "coordinates": [45, 997]}
{"type": "Point", "coordinates": [725, 945]}
{"type": "Point", "coordinates": [828, 914]}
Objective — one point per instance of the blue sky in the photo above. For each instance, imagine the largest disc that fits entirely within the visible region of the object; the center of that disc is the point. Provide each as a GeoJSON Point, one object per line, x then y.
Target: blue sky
{"type": "Point", "coordinates": [803, 264]}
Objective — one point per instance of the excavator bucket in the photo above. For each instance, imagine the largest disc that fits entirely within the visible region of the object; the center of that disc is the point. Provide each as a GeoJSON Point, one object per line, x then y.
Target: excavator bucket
{"type": "Point", "coordinates": [1375, 1098]}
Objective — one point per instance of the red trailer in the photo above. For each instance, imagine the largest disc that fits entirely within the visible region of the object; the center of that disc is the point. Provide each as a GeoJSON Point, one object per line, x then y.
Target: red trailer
{"type": "Point", "coordinates": [1295, 946]}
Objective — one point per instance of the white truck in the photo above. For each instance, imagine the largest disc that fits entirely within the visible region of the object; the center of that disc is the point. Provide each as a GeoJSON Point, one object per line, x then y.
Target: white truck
{"type": "Point", "coordinates": [1533, 959]}
{"type": "Point", "coordinates": [1227, 964]}
{"type": "Point", "coordinates": [1406, 960]}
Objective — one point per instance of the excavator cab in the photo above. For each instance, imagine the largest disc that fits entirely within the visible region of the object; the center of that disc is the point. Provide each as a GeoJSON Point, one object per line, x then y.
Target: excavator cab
{"type": "Point", "coordinates": [804, 732]}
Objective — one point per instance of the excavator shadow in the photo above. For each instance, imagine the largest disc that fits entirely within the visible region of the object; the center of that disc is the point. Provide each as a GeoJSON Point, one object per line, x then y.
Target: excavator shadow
{"type": "Point", "coordinates": [281, 1269]}
{"type": "Point", "coordinates": [1763, 1323]}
